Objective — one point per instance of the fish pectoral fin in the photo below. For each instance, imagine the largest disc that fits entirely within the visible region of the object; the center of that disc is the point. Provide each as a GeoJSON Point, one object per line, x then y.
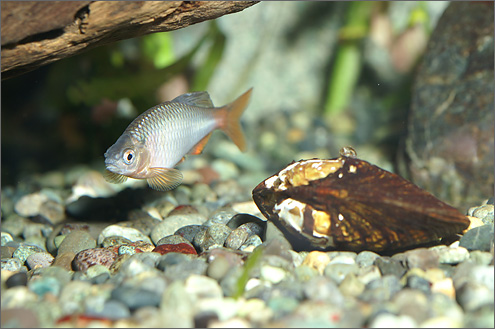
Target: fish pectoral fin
{"type": "Point", "coordinates": [198, 98]}
{"type": "Point", "coordinates": [114, 178]}
{"type": "Point", "coordinates": [198, 148]}
{"type": "Point", "coordinates": [164, 179]}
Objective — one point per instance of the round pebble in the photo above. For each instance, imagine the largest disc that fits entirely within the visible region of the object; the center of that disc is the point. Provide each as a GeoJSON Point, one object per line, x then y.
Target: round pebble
{"type": "Point", "coordinates": [30, 204]}
{"type": "Point", "coordinates": [89, 257]}
{"type": "Point", "coordinates": [129, 233]}
{"type": "Point", "coordinates": [17, 279]}
{"type": "Point", "coordinates": [77, 241]}
{"type": "Point", "coordinates": [39, 260]}
{"type": "Point", "coordinates": [135, 298]}
{"type": "Point", "coordinates": [24, 251]}
{"type": "Point", "coordinates": [172, 223]}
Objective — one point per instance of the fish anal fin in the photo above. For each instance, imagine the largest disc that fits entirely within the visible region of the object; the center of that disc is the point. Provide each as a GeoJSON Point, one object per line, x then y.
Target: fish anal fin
{"type": "Point", "coordinates": [198, 98]}
{"type": "Point", "coordinates": [114, 178]}
{"type": "Point", "coordinates": [198, 148]}
{"type": "Point", "coordinates": [164, 179]}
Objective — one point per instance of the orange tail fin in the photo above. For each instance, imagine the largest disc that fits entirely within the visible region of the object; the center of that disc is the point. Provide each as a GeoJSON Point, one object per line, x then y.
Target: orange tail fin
{"type": "Point", "coordinates": [232, 126]}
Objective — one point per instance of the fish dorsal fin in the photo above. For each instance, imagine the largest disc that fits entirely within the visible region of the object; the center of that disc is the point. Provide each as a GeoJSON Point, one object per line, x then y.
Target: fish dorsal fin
{"type": "Point", "coordinates": [164, 179]}
{"type": "Point", "coordinates": [198, 98]}
{"type": "Point", "coordinates": [114, 178]}
{"type": "Point", "coordinates": [198, 148]}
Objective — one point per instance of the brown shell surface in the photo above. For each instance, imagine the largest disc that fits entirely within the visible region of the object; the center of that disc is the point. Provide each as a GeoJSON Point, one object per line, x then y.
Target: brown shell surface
{"type": "Point", "coordinates": [353, 205]}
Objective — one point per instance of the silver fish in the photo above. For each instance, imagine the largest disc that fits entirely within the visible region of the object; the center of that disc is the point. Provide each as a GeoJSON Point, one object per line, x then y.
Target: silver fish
{"type": "Point", "coordinates": [157, 140]}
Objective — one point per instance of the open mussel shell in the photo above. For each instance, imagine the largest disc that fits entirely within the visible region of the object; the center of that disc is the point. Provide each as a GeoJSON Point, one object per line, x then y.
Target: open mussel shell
{"type": "Point", "coordinates": [349, 204]}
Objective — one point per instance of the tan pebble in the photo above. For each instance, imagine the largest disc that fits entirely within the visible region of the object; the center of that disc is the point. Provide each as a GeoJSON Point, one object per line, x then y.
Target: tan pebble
{"type": "Point", "coordinates": [317, 260]}
{"type": "Point", "coordinates": [474, 222]}
{"type": "Point", "coordinates": [434, 274]}
{"type": "Point", "coordinates": [444, 286]}
{"type": "Point", "coordinates": [64, 260]}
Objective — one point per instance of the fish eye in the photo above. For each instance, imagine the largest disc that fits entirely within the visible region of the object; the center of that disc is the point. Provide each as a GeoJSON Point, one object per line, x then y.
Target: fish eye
{"type": "Point", "coordinates": [128, 156]}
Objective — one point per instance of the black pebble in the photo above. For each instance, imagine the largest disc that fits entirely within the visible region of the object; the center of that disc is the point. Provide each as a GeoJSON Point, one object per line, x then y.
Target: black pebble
{"type": "Point", "coordinates": [18, 279]}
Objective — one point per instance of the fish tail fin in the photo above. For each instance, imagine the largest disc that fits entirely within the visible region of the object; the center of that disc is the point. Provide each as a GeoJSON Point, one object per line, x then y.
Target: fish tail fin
{"type": "Point", "coordinates": [232, 126]}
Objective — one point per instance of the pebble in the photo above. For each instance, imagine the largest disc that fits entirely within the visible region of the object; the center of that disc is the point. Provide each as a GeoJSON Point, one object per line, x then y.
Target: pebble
{"type": "Point", "coordinates": [422, 258]}
{"type": "Point", "coordinates": [44, 285]}
{"type": "Point", "coordinates": [183, 248]}
{"type": "Point", "coordinates": [7, 251]}
{"type": "Point", "coordinates": [89, 257]}
{"type": "Point", "coordinates": [129, 233]}
{"type": "Point", "coordinates": [12, 265]}
{"type": "Point", "coordinates": [183, 270]}
{"type": "Point", "coordinates": [366, 258]}
{"type": "Point", "coordinates": [251, 243]}
{"type": "Point", "coordinates": [200, 286]}
{"type": "Point", "coordinates": [272, 274]}
{"type": "Point", "coordinates": [114, 241]}
{"type": "Point", "coordinates": [321, 288]}
{"type": "Point", "coordinates": [24, 251]}
{"type": "Point", "coordinates": [189, 232]}
{"type": "Point", "coordinates": [52, 211]}
{"type": "Point", "coordinates": [6, 237]}
{"type": "Point", "coordinates": [135, 298]}
{"type": "Point", "coordinates": [30, 204]}
{"type": "Point", "coordinates": [351, 286]}
{"type": "Point", "coordinates": [485, 213]}
{"type": "Point", "coordinates": [448, 255]}
{"type": "Point", "coordinates": [39, 260]}
{"type": "Point", "coordinates": [172, 223]}
{"type": "Point", "coordinates": [339, 271]}
{"type": "Point", "coordinates": [64, 260]}
{"type": "Point", "coordinates": [317, 260]}
{"type": "Point", "coordinates": [76, 241]}
{"type": "Point", "coordinates": [391, 266]}
{"type": "Point", "coordinates": [218, 267]}
{"type": "Point", "coordinates": [213, 237]}
{"type": "Point", "coordinates": [16, 279]}
{"type": "Point", "coordinates": [388, 320]}
{"type": "Point", "coordinates": [112, 309]}
{"type": "Point", "coordinates": [478, 238]}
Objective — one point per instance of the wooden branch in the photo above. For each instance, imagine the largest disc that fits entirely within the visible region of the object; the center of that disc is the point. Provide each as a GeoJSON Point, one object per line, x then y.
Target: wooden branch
{"type": "Point", "coordinates": [36, 33]}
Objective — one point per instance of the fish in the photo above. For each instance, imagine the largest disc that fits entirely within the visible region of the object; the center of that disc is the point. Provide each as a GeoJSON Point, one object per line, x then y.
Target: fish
{"type": "Point", "coordinates": [159, 139]}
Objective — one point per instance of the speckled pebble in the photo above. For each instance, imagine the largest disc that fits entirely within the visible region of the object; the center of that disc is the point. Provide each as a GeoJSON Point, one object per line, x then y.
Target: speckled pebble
{"type": "Point", "coordinates": [172, 239]}
{"type": "Point", "coordinates": [485, 213]}
{"type": "Point", "coordinates": [251, 243]}
{"type": "Point", "coordinates": [236, 238]}
{"type": "Point", "coordinates": [129, 233]}
{"type": "Point", "coordinates": [172, 223]}
{"type": "Point", "coordinates": [89, 257]}
{"type": "Point", "coordinates": [39, 260]}
{"type": "Point", "coordinates": [189, 232]}
{"type": "Point", "coordinates": [114, 240]}
{"type": "Point", "coordinates": [213, 237]}
{"type": "Point", "coordinates": [24, 251]}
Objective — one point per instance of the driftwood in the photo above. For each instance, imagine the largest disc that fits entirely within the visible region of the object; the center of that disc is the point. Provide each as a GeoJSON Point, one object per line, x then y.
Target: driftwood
{"type": "Point", "coordinates": [35, 33]}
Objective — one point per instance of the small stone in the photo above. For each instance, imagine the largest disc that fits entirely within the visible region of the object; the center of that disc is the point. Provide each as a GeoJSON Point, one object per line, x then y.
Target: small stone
{"type": "Point", "coordinates": [30, 204]}
{"type": "Point", "coordinates": [114, 240]}
{"type": "Point", "coordinates": [478, 238]}
{"type": "Point", "coordinates": [368, 274]}
{"type": "Point", "coordinates": [351, 285]}
{"type": "Point", "coordinates": [53, 211]}
{"type": "Point", "coordinates": [388, 320]}
{"type": "Point", "coordinates": [485, 213]}
{"type": "Point", "coordinates": [272, 274]}
{"type": "Point", "coordinates": [339, 271]}
{"type": "Point", "coordinates": [112, 310]}
{"type": "Point", "coordinates": [96, 270]}
{"type": "Point", "coordinates": [218, 268]}
{"type": "Point", "coordinates": [172, 239]}
{"type": "Point", "coordinates": [381, 290]}
{"type": "Point", "coordinates": [418, 283]}
{"type": "Point", "coordinates": [366, 258]}
{"type": "Point", "coordinates": [444, 286]}
{"type": "Point", "coordinates": [412, 303]}
{"type": "Point", "coordinates": [39, 260]}
{"type": "Point", "coordinates": [236, 238]}
{"type": "Point", "coordinates": [448, 255]}
{"type": "Point", "coordinates": [24, 251]}
{"type": "Point", "coordinates": [44, 285]}
{"type": "Point", "coordinates": [89, 257]}
{"type": "Point", "coordinates": [317, 260]}
{"type": "Point", "coordinates": [7, 251]}
{"type": "Point", "coordinates": [214, 237]}
{"type": "Point", "coordinates": [183, 210]}
{"type": "Point", "coordinates": [422, 258]}
{"type": "Point", "coordinates": [200, 286]}
{"type": "Point", "coordinates": [172, 223]}
{"type": "Point", "coordinates": [126, 249]}
{"type": "Point", "coordinates": [389, 265]}
{"type": "Point", "coordinates": [321, 288]}
{"type": "Point", "coordinates": [189, 232]}
{"type": "Point", "coordinates": [171, 259]}
{"type": "Point", "coordinates": [16, 279]}
{"type": "Point", "coordinates": [251, 243]}
{"type": "Point", "coordinates": [6, 237]}
{"type": "Point", "coordinates": [129, 233]}
{"type": "Point", "coordinates": [76, 241]}
{"type": "Point", "coordinates": [183, 248]}
{"type": "Point", "coordinates": [481, 257]}
{"type": "Point", "coordinates": [135, 298]}
{"type": "Point", "coordinates": [64, 260]}
{"type": "Point", "coordinates": [183, 270]}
